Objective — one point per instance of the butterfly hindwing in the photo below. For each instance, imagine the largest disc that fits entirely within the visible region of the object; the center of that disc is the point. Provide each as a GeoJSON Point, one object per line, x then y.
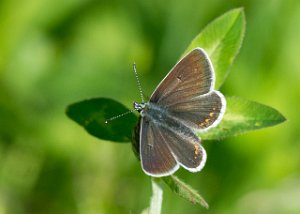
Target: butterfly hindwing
{"type": "Point", "coordinates": [200, 112]}
{"type": "Point", "coordinates": [187, 150]}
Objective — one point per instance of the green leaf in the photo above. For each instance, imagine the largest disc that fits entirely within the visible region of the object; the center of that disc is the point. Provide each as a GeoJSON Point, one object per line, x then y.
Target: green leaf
{"type": "Point", "coordinates": [222, 39]}
{"type": "Point", "coordinates": [184, 190]}
{"type": "Point", "coordinates": [241, 116]}
{"type": "Point", "coordinates": [92, 114]}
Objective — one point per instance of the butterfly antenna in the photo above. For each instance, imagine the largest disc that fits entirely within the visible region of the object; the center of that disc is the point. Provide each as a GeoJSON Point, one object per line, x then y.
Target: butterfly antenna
{"type": "Point", "coordinates": [141, 94]}
{"type": "Point", "coordinates": [118, 116]}
{"type": "Point", "coordinates": [138, 83]}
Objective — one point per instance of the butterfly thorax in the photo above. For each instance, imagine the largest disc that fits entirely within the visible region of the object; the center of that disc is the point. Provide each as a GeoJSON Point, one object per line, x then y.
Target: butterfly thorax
{"type": "Point", "coordinates": [154, 112]}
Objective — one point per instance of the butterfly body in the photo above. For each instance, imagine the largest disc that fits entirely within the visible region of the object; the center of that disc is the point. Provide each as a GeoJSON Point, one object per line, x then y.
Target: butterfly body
{"type": "Point", "coordinates": [161, 117]}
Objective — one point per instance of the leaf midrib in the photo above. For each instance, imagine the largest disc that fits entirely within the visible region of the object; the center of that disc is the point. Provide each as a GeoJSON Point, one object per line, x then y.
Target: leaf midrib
{"type": "Point", "coordinates": [224, 35]}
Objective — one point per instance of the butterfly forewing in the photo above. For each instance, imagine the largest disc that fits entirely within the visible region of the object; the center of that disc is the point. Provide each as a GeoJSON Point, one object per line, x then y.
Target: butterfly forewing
{"type": "Point", "coordinates": [156, 156]}
{"type": "Point", "coordinates": [192, 76]}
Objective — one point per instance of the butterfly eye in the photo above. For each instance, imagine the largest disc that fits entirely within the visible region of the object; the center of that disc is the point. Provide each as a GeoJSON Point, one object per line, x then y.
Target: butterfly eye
{"type": "Point", "coordinates": [138, 106]}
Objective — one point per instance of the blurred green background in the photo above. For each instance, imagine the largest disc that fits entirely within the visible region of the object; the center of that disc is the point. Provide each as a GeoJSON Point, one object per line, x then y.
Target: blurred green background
{"type": "Point", "coordinates": [53, 53]}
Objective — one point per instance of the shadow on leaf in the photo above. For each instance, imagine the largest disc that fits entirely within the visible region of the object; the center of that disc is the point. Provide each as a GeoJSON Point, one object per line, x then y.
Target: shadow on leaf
{"type": "Point", "coordinates": [92, 114]}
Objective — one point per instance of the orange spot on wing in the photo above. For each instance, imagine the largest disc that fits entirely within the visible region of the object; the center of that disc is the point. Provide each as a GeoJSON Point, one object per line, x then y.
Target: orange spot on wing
{"type": "Point", "coordinates": [201, 124]}
{"type": "Point", "coordinates": [197, 151]}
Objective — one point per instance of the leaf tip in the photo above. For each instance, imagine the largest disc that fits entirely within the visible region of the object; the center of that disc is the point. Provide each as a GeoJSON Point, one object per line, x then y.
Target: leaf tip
{"type": "Point", "coordinates": [68, 111]}
{"type": "Point", "coordinates": [281, 118]}
{"type": "Point", "coordinates": [205, 205]}
{"type": "Point", "coordinates": [184, 190]}
{"type": "Point", "coordinates": [277, 116]}
{"type": "Point", "coordinates": [238, 10]}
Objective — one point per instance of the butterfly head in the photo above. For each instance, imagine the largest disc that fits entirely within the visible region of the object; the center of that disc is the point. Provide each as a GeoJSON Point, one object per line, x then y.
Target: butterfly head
{"type": "Point", "coordinates": [138, 106]}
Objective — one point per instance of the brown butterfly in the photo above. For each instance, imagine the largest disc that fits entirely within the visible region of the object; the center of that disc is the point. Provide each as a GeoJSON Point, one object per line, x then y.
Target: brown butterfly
{"type": "Point", "coordinates": [184, 102]}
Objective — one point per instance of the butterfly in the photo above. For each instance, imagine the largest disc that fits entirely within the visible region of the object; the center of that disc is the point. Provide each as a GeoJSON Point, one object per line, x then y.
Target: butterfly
{"type": "Point", "coordinates": [184, 103]}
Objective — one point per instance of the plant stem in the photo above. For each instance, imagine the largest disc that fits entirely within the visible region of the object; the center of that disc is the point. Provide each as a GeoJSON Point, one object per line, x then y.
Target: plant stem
{"type": "Point", "coordinates": [156, 198]}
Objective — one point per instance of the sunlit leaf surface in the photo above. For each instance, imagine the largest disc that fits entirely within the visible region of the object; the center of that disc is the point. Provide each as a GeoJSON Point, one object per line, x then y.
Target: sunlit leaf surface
{"type": "Point", "coordinates": [222, 39]}
{"type": "Point", "coordinates": [242, 116]}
